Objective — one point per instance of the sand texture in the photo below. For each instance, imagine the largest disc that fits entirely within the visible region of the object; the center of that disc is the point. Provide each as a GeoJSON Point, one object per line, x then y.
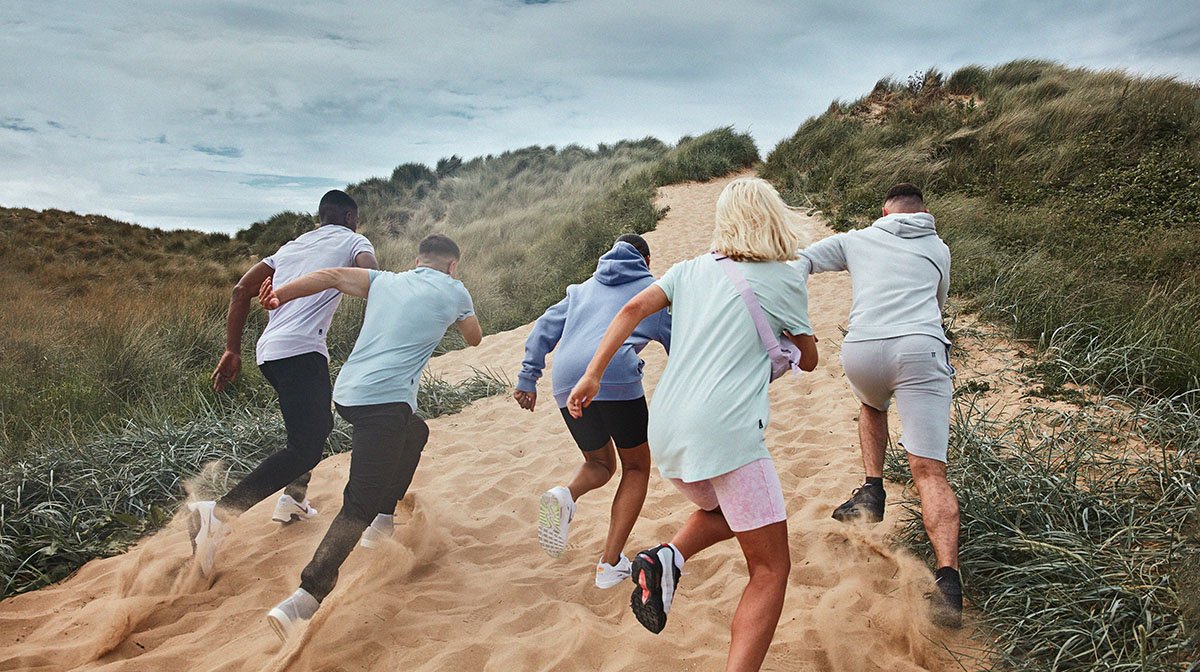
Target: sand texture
{"type": "Point", "coordinates": [464, 586]}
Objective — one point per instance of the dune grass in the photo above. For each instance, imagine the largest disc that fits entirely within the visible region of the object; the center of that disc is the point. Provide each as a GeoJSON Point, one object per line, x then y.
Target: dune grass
{"type": "Point", "coordinates": [106, 322]}
{"type": "Point", "coordinates": [113, 329]}
{"type": "Point", "coordinates": [1070, 199]}
{"type": "Point", "coordinates": [1080, 547]}
{"type": "Point", "coordinates": [61, 507]}
{"type": "Point", "coordinates": [534, 220]}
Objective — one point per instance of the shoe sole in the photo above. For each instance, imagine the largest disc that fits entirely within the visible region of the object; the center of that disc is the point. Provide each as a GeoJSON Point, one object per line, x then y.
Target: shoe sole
{"type": "Point", "coordinates": [646, 600]}
{"type": "Point", "coordinates": [856, 515]}
{"type": "Point", "coordinates": [276, 621]}
{"type": "Point", "coordinates": [550, 534]}
{"type": "Point", "coordinates": [286, 517]}
{"type": "Point", "coordinates": [204, 546]}
{"type": "Point", "coordinates": [373, 541]}
{"type": "Point", "coordinates": [622, 578]}
{"type": "Point", "coordinates": [293, 518]}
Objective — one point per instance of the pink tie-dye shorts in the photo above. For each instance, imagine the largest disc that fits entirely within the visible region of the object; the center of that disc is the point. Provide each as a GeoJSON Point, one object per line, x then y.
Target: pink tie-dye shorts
{"type": "Point", "coordinates": [750, 496]}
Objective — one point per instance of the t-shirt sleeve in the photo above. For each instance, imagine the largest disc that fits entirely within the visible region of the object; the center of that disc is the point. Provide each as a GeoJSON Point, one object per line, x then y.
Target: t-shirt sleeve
{"type": "Point", "coordinates": [669, 281]}
{"type": "Point", "coordinates": [795, 304]}
{"type": "Point", "coordinates": [467, 306]}
{"type": "Point", "coordinates": [373, 273]}
{"type": "Point", "coordinates": [269, 261]}
{"type": "Point", "coordinates": [360, 244]}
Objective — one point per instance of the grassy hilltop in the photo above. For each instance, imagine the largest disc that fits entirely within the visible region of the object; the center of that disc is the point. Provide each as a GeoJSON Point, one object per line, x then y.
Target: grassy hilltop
{"type": "Point", "coordinates": [108, 331]}
{"type": "Point", "coordinates": [1071, 200]}
{"type": "Point", "coordinates": [1071, 203]}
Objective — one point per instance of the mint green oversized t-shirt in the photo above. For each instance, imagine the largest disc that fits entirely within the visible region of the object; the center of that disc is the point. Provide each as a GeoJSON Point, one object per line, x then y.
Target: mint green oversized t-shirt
{"type": "Point", "coordinates": [407, 316]}
{"type": "Point", "coordinates": [710, 408]}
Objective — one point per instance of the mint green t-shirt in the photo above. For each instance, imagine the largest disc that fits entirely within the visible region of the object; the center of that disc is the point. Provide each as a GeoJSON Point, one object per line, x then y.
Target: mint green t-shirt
{"type": "Point", "coordinates": [407, 315]}
{"type": "Point", "coordinates": [710, 408]}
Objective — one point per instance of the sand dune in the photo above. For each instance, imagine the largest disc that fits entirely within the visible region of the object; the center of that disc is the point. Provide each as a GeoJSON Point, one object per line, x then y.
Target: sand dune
{"type": "Point", "coordinates": [464, 585]}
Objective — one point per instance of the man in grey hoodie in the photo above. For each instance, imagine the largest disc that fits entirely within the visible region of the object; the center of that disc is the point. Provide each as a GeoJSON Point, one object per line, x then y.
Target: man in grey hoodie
{"type": "Point", "coordinates": [896, 347]}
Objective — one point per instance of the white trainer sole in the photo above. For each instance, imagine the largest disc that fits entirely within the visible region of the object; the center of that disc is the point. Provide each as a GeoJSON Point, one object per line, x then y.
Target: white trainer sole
{"type": "Point", "coordinates": [552, 531]}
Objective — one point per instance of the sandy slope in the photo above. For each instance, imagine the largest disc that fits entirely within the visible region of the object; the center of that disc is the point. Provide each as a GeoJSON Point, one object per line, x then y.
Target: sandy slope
{"type": "Point", "coordinates": [465, 586]}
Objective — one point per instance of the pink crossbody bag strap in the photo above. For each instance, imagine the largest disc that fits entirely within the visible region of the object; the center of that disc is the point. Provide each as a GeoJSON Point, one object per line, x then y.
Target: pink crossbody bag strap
{"type": "Point", "coordinates": [784, 356]}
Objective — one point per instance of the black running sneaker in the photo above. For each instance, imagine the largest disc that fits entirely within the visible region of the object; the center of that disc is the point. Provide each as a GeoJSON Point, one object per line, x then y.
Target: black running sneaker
{"type": "Point", "coordinates": [865, 503]}
{"type": "Point", "coordinates": [946, 603]}
{"type": "Point", "coordinates": [655, 575]}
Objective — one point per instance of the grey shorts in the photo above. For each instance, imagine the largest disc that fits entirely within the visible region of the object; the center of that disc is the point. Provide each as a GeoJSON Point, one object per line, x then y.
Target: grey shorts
{"type": "Point", "coordinates": [916, 371]}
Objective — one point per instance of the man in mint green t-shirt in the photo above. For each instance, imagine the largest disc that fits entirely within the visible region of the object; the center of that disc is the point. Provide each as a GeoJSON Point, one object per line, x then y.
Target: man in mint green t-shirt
{"type": "Point", "coordinates": [376, 392]}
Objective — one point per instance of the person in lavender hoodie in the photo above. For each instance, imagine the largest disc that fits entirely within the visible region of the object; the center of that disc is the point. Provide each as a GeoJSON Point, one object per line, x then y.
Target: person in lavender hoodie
{"type": "Point", "coordinates": [618, 418]}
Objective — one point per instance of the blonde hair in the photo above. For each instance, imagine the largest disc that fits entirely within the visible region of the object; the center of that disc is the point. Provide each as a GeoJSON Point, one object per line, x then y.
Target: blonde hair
{"type": "Point", "coordinates": [754, 224]}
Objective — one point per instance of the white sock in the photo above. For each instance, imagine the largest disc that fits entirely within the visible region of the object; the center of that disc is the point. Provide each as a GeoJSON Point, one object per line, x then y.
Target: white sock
{"type": "Point", "coordinates": [678, 558]}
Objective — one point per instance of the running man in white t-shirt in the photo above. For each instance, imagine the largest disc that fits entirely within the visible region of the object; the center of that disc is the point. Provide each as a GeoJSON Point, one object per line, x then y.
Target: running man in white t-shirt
{"type": "Point", "coordinates": [293, 357]}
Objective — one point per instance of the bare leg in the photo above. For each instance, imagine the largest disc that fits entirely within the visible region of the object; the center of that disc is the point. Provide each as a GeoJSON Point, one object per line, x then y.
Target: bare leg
{"type": "Point", "coordinates": [939, 508]}
{"type": "Point", "coordinates": [873, 439]}
{"type": "Point", "coordinates": [769, 561]}
{"type": "Point", "coordinates": [598, 466]}
{"type": "Point", "coordinates": [627, 503]}
{"type": "Point", "coordinates": [702, 529]}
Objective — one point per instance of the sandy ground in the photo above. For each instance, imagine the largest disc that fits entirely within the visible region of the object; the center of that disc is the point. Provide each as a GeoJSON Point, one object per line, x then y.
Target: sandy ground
{"type": "Point", "coordinates": [464, 585]}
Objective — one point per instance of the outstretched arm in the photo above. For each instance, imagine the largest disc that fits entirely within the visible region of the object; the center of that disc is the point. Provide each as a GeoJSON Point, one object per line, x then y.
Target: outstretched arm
{"type": "Point", "coordinates": [544, 338]}
{"type": "Point", "coordinates": [352, 281]}
{"type": "Point", "coordinates": [235, 323]}
{"type": "Point", "coordinates": [824, 255]}
{"type": "Point", "coordinates": [649, 301]}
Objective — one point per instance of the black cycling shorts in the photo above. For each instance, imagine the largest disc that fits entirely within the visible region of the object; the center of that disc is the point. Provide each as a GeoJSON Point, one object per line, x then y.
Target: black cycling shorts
{"type": "Point", "coordinates": [622, 421]}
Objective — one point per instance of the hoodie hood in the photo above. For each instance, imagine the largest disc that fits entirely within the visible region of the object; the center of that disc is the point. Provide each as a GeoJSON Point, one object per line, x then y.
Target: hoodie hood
{"type": "Point", "coordinates": [622, 264]}
{"type": "Point", "coordinates": [908, 224]}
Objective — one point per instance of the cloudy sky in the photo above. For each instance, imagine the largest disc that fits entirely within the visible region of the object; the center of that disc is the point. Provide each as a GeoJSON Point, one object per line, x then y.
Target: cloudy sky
{"type": "Point", "coordinates": [213, 114]}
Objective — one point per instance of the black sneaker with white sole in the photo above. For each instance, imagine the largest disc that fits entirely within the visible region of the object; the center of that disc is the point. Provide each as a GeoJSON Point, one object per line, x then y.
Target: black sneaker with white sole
{"type": "Point", "coordinates": [865, 503]}
{"type": "Point", "coordinates": [655, 576]}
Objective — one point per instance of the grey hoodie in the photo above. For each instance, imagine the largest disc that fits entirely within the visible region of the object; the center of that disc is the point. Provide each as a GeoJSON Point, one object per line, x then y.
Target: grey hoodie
{"type": "Point", "coordinates": [900, 270]}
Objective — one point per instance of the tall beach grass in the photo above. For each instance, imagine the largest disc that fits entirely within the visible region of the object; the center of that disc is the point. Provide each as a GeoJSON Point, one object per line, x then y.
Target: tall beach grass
{"type": "Point", "coordinates": [1070, 198]}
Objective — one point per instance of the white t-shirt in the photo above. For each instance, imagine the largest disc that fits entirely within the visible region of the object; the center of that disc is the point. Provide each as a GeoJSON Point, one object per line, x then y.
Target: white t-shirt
{"type": "Point", "coordinates": [300, 326]}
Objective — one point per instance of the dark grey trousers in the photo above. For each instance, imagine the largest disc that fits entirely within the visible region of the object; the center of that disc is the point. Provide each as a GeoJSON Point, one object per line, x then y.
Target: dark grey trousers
{"type": "Point", "coordinates": [385, 450]}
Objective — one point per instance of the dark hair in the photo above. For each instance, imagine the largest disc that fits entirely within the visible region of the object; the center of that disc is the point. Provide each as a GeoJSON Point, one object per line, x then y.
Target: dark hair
{"type": "Point", "coordinates": [905, 190]}
{"type": "Point", "coordinates": [334, 206]}
{"type": "Point", "coordinates": [435, 246]}
{"type": "Point", "coordinates": [637, 241]}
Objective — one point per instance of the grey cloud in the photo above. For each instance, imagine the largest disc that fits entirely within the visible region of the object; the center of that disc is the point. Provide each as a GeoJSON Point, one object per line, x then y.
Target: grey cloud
{"type": "Point", "coordinates": [340, 92]}
{"type": "Point", "coordinates": [16, 124]}
{"type": "Point", "coordinates": [273, 181]}
{"type": "Point", "coordinates": [225, 151]}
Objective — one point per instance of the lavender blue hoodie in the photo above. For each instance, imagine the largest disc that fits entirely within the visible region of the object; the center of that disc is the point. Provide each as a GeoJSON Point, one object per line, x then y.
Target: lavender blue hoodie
{"type": "Point", "coordinates": [576, 324]}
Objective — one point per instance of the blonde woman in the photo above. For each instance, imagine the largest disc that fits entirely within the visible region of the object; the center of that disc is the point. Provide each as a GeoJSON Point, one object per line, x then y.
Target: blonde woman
{"type": "Point", "coordinates": [710, 409]}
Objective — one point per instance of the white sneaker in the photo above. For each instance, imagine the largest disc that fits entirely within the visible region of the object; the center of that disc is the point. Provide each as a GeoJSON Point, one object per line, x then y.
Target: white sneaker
{"type": "Point", "coordinates": [609, 576]}
{"type": "Point", "coordinates": [288, 510]}
{"type": "Point", "coordinates": [289, 616]}
{"type": "Point", "coordinates": [554, 520]}
{"type": "Point", "coordinates": [379, 531]}
{"type": "Point", "coordinates": [207, 534]}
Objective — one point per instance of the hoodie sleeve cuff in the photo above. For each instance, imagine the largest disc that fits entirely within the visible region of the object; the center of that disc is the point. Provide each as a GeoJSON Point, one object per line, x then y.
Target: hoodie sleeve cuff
{"type": "Point", "coordinates": [526, 383]}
